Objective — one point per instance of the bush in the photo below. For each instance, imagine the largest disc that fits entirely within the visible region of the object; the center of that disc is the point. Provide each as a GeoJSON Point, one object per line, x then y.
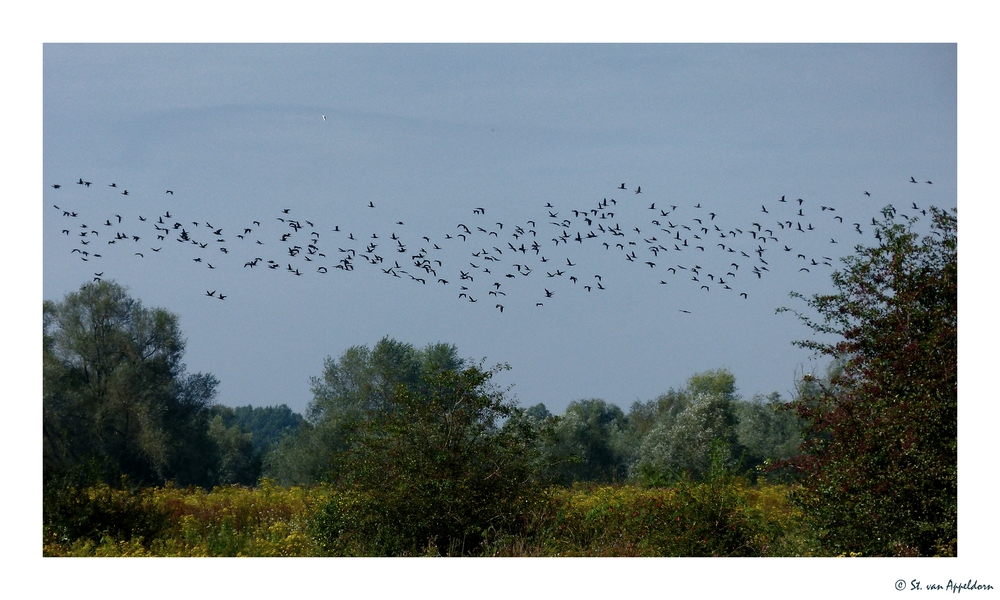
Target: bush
{"type": "Point", "coordinates": [721, 518]}
{"type": "Point", "coordinates": [74, 514]}
{"type": "Point", "coordinates": [227, 521]}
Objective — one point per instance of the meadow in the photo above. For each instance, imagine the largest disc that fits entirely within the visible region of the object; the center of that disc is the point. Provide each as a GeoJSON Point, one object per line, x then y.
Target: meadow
{"type": "Point", "coordinates": [720, 518]}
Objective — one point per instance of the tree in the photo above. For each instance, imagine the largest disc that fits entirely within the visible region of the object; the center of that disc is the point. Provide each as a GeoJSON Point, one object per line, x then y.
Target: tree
{"type": "Point", "coordinates": [690, 429]}
{"type": "Point", "coordinates": [880, 454]}
{"type": "Point", "coordinates": [116, 398]}
{"type": "Point", "coordinates": [587, 443]}
{"type": "Point", "coordinates": [239, 463]}
{"type": "Point", "coordinates": [357, 387]}
{"type": "Point", "coordinates": [442, 466]}
{"type": "Point", "coordinates": [766, 432]}
{"type": "Point", "coordinates": [267, 424]}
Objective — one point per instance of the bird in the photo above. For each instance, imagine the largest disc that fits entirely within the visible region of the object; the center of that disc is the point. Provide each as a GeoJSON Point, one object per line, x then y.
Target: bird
{"type": "Point", "coordinates": [638, 190]}
{"type": "Point", "coordinates": [171, 192]}
{"type": "Point", "coordinates": [324, 117]}
{"type": "Point", "coordinates": [622, 186]}
{"type": "Point", "coordinates": [56, 186]}
{"type": "Point", "coordinates": [221, 297]}
{"type": "Point", "coordinates": [912, 180]}
{"type": "Point", "coordinates": [867, 194]}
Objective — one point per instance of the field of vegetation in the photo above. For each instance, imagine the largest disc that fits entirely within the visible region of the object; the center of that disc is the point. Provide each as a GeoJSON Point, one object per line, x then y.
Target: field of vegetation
{"type": "Point", "coordinates": [722, 518]}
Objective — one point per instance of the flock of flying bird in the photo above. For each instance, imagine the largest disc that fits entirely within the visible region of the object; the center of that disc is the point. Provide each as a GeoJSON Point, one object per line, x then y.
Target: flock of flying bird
{"type": "Point", "coordinates": [537, 257]}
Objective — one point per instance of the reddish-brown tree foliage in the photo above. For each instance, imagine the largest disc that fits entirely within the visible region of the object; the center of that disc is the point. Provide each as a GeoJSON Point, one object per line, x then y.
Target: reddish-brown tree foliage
{"type": "Point", "coordinates": [879, 462]}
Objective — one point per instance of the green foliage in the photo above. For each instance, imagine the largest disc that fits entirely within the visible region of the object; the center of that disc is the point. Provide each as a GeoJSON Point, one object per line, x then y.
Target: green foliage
{"type": "Point", "coordinates": [227, 521]}
{"type": "Point", "coordinates": [238, 463]}
{"type": "Point", "coordinates": [587, 443]}
{"type": "Point", "coordinates": [267, 424]}
{"type": "Point", "coordinates": [880, 462]}
{"type": "Point", "coordinates": [244, 436]}
{"type": "Point", "coordinates": [116, 398]}
{"type": "Point", "coordinates": [74, 514]}
{"type": "Point", "coordinates": [446, 463]}
{"type": "Point", "coordinates": [723, 517]}
{"type": "Point", "coordinates": [353, 389]}
{"type": "Point", "coordinates": [767, 432]}
{"type": "Point", "coordinates": [685, 428]}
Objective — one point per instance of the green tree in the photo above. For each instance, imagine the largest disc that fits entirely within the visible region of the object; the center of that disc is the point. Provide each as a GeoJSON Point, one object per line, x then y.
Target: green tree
{"type": "Point", "coordinates": [442, 466]}
{"type": "Point", "coordinates": [766, 432]}
{"type": "Point", "coordinates": [689, 429]}
{"type": "Point", "coordinates": [116, 398]}
{"type": "Point", "coordinates": [587, 443]}
{"type": "Point", "coordinates": [357, 387]}
{"type": "Point", "coordinates": [880, 456]}
{"type": "Point", "coordinates": [239, 463]}
{"type": "Point", "coordinates": [267, 424]}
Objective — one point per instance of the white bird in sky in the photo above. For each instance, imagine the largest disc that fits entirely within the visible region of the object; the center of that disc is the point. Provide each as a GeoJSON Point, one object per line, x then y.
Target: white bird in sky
{"type": "Point", "coordinates": [324, 117]}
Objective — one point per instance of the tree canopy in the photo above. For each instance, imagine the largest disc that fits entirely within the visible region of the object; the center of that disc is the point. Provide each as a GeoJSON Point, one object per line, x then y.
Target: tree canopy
{"type": "Point", "coordinates": [116, 396]}
{"type": "Point", "coordinates": [880, 459]}
{"type": "Point", "coordinates": [358, 386]}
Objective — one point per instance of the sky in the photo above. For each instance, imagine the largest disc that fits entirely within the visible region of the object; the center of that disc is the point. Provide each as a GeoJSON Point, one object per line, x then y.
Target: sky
{"type": "Point", "coordinates": [494, 167]}
{"type": "Point", "coordinates": [235, 131]}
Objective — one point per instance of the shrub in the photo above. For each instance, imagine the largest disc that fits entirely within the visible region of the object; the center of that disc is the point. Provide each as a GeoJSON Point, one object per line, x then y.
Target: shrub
{"type": "Point", "coordinates": [73, 514]}
{"type": "Point", "coordinates": [720, 518]}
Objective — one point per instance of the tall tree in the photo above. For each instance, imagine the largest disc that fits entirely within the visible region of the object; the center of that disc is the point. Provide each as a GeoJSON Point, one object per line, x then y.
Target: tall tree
{"type": "Point", "coordinates": [116, 398]}
{"type": "Point", "coordinates": [449, 466]}
{"type": "Point", "coordinates": [880, 458]}
{"type": "Point", "coordinates": [353, 389]}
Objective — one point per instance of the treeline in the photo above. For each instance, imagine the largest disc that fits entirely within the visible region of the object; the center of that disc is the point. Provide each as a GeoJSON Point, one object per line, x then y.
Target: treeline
{"type": "Point", "coordinates": [421, 453]}
{"type": "Point", "coordinates": [119, 402]}
{"type": "Point", "coordinates": [682, 433]}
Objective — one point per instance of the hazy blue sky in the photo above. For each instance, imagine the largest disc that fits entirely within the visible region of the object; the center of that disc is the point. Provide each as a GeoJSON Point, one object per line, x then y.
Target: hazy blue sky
{"type": "Point", "coordinates": [430, 133]}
